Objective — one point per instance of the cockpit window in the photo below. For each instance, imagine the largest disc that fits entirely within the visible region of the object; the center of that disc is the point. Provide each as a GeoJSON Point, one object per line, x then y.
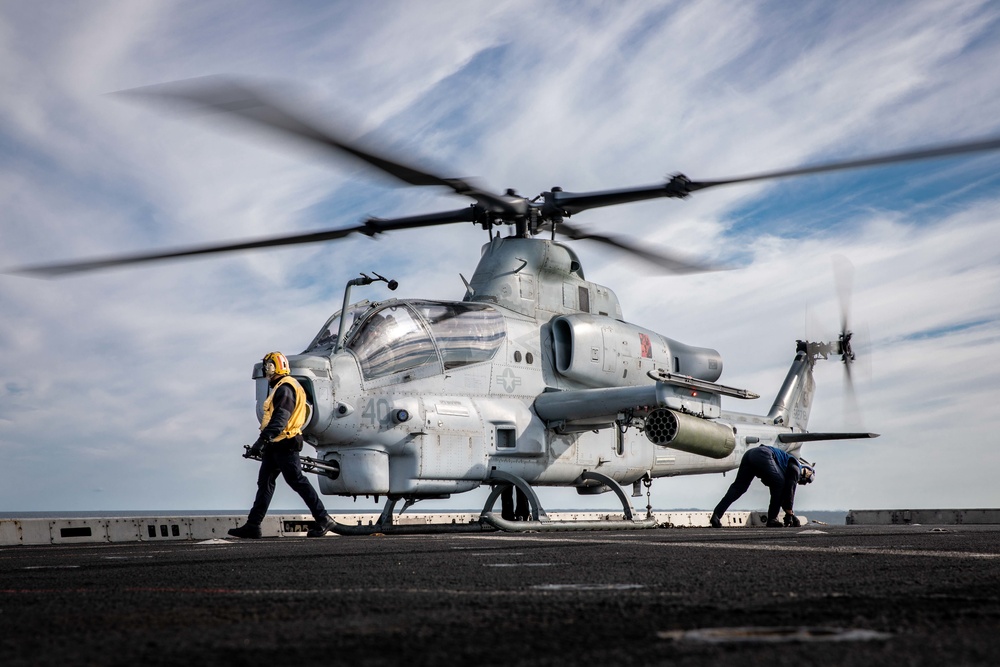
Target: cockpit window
{"type": "Point", "coordinates": [390, 341]}
{"type": "Point", "coordinates": [465, 333]}
{"type": "Point", "coordinates": [326, 339]}
{"type": "Point", "coordinates": [399, 336]}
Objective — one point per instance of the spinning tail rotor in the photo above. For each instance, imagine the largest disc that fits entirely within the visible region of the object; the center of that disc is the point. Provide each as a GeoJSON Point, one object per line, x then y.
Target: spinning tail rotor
{"type": "Point", "coordinates": [850, 348]}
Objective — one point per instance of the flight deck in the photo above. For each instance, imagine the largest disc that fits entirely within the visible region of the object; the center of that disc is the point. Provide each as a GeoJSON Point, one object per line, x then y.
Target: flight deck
{"type": "Point", "coordinates": [820, 595]}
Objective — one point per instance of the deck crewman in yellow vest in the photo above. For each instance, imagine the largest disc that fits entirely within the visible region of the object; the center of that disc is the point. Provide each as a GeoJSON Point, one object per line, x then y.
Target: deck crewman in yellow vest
{"type": "Point", "coordinates": [278, 446]}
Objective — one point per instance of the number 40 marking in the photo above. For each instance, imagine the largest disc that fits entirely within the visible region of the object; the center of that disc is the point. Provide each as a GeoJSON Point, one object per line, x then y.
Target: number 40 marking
{"type": "Point", "coordinates": [376, 410]}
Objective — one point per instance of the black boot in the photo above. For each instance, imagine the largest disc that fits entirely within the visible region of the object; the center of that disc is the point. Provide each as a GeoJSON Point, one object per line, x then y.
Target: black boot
{"type": "Point", "coordinates": [322, 527]}
{"type": "Point", "coordinates": [715, 521]}
{"type": "Point", "coordinates": [249, 531]}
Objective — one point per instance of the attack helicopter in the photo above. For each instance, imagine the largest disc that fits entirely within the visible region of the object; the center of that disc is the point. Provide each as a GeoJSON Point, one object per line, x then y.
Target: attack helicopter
{"type": "Point", "coordinates": [534, 377]}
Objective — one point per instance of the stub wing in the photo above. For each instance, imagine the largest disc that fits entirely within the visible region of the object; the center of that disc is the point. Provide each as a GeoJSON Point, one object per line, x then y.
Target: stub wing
{"type": "Point", "coordinates": [589, 408]}
{"type": "Point", "coordinates": [815, 437]}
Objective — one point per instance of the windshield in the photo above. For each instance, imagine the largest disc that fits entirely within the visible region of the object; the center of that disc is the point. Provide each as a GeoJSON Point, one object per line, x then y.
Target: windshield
{"type": "Point", "coordinates": [390, 341]}
{"type": "Point", "coordinates": [326, 339]}
{"type": "Point", "coordinates": [402, 336]}
{"type": "Point", "coordinates": [465, 333]}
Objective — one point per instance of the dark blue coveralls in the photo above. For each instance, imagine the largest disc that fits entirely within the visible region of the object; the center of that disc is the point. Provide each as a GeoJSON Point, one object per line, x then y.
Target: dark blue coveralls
{"type": "Point", "coordinates": [282, 457]}
{"type": "Point", "coordinates": [777, 469]}
{"type": "Point", "coordinates": [508, 510]}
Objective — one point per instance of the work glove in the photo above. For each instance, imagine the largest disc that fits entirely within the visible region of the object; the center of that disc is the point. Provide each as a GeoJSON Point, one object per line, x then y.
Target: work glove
{"type": "Point", "coordinates": [256, 450]}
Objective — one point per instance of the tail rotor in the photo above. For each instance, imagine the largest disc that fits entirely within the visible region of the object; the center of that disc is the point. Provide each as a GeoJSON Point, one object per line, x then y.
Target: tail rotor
{"type": "Point", "coordinates": [847, 344]}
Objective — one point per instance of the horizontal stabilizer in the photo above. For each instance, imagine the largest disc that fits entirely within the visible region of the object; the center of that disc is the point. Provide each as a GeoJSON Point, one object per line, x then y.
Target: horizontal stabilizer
{"type": "Point", "coordinates": [813, 437]}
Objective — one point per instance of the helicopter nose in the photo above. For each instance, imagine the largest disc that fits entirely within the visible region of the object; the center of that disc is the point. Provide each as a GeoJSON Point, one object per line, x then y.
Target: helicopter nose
{"type": "Point", "coordinates": [359, 472]}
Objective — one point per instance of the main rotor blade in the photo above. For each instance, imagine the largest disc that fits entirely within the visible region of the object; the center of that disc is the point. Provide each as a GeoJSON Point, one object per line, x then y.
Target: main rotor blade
{"type": "Point", "coordinates": [370, 227]}
{"type": "Point", "coordinates": [669, 263]}
{"type": "Point", "coordinates": [373, 226]}
{"type": "Point", "coordinates": [570, 203]}
{"type": "Point", "coordinates": [980, 145]}
{"type": "Point", "coordinates": [54, 270]}
{"type": "Point", "coordinates": [225, 95]}
{"type": "Point", "coordinates": [679, 186]}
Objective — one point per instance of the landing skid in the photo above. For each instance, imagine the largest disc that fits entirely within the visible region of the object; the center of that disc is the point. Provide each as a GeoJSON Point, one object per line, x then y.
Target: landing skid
{"type": "Point", "coordinates": [413, 529]}
{"type": "Point", "coordinates": [541, 526]}
{"type": "Point", "coordinates": [489, 521]}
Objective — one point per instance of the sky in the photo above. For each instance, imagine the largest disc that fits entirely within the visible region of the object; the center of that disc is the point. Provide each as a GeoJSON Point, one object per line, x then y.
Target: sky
{"type": "Point", "coordinates": [130, 389]}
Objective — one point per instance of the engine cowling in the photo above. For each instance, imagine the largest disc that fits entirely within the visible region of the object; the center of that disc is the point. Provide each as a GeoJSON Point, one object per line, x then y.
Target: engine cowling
{"type": "Point", "coordinates": [599, 351]}
{"type": "Point", "coordinates": [667, 428]}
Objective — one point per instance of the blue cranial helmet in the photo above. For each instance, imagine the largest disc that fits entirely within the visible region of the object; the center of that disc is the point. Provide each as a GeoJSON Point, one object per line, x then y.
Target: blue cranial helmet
{"type": "Point", "coordinates": [806, 474]}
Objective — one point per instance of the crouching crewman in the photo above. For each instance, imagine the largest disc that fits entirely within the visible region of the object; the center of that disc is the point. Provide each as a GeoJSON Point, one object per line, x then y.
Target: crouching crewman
{"type": "Point", "coordinates": [781, 473]}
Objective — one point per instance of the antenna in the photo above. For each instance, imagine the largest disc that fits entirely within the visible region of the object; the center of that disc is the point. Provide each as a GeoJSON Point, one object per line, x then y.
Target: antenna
{"type": "Point", "coordinates": [363, 280]}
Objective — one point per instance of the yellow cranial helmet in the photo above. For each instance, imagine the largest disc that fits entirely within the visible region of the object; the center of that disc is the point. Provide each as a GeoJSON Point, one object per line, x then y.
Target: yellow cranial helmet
{"type": "Point", "coordinates": [278, 360]}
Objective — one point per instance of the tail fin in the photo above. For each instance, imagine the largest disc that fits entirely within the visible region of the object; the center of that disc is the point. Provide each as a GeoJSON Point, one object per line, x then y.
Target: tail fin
{"type": "Point", "coordinates": [794, 400]}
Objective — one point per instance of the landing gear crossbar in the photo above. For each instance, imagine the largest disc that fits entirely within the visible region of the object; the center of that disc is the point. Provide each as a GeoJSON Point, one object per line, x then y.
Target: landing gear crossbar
{"type": "Point", "coordinates": [489, 521]}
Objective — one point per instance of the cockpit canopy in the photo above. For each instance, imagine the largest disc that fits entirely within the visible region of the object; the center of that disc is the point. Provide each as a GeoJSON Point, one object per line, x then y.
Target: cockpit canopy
{"type": "Point", "coordinates": [398, 336]}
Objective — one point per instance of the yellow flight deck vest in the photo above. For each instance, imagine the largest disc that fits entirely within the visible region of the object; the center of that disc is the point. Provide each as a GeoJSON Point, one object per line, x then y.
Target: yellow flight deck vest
{"type": "Point", "coordinates": [298, 418]}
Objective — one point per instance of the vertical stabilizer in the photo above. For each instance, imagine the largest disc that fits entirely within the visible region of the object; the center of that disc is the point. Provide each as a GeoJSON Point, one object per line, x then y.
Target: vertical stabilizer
{"type": "Point", "coordinates": [794, 401]}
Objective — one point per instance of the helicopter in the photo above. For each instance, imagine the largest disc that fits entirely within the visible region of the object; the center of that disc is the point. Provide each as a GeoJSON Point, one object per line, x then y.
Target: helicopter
{"type": "Point", "coordinates": [533, 377]}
